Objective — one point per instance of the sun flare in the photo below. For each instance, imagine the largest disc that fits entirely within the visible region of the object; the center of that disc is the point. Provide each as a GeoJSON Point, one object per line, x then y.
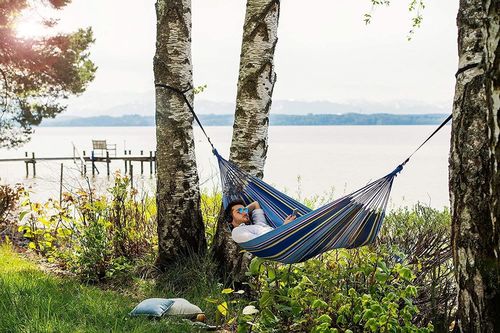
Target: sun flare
{"type": "Point", "coordinates": [28, 29]}
{"type": "Point", "coordinates": [30, 25]}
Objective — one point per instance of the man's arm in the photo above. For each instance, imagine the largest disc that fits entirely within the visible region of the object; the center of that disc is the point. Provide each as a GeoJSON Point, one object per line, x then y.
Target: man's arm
{"type": "Point", "coordinates": [254, 205]}
{"type": "Point", "coordinates": [258, 216]}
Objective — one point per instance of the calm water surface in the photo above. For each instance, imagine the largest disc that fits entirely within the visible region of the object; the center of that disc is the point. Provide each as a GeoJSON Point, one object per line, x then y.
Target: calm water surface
{"type": "Point", "coordinates": [302, 160]}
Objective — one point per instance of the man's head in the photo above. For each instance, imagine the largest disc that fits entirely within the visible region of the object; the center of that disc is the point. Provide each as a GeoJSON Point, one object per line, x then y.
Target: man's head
{"type": "Point", "coordinates": [236, 214]}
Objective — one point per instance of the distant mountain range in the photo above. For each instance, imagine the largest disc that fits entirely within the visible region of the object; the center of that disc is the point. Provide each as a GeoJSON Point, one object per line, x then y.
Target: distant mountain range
{"type": "Point", "coordinates": [97, 104]}
{"type": "Point", "coordinates": [275, 120]}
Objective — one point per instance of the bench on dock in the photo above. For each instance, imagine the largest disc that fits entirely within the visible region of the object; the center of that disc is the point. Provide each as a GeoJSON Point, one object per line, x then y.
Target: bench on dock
{"type": "Point", "coordinates": [103, 147]}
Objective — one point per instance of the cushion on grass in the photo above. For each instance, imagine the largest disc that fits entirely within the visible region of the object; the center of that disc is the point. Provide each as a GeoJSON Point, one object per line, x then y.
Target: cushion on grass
{"type": "Point", "coordinates": [154, 307]}
{"type": "Point", "coordinates": [182, 307]}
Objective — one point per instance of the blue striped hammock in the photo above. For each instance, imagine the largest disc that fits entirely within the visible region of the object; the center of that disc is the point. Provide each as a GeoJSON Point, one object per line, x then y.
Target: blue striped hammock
{"type": "Point", "coordinates": [351, 221]}
{"type": "Point", "coordinates": [348, 222]}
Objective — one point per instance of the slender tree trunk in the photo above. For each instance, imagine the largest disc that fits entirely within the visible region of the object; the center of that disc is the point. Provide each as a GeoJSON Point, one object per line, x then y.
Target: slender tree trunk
{"type": "Point", "coordinates": [253, 103]}
{"type": "Point", "coordinates": [474, 162]}
{"type": "Point", "coordinates": [180, 226]}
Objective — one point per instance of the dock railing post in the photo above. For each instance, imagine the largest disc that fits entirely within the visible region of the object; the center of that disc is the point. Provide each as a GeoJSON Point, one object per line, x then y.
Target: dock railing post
{"type": "Point", "coordinates": [93, 165]}
{"type": "Point", "coordinates": [60, 183]}
{"type": "Point", "coordinates": [107, 162]}
{"type": "Point", "coordinates": [142, 164]}
{"type": "Point", "coordinates": [26, 163]}
{"type": "Point", "coordinates": [155, 162]}
{"type": "Point", "coordinates": [34, 162]}
{"type": "Point", "coordinates": [131, 167]}
{"type": "Point", "coordinates": [125, 161]}
{"type": "Point", "coordinates": [84, 166]}
{"type": "Point", "coordinates": [150, 163]}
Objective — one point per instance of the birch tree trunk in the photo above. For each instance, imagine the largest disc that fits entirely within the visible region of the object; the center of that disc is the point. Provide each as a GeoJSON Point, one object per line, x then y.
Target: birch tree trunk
{"type": "Point", "coordinates": [474, 161]}
{"type": "Point", "coordinates": [253, 103]}
{"type": "Point", "coordinates": [180, 225]}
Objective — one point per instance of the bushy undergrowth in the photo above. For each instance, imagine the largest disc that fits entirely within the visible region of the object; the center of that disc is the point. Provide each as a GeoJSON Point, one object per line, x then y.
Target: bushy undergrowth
{"type": "Point", "coordinates": [362, 290]}
{"type": "Point", "coordinates": [403, 283]}
{"type": "Point", "coordinates": [422, 235]}
{"type": "Point", "coordinates": [96, 236]}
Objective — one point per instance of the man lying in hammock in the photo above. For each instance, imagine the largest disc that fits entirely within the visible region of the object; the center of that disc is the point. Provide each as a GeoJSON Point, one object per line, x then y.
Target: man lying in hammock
{"type": "Point", "coordinates": [248, 222]}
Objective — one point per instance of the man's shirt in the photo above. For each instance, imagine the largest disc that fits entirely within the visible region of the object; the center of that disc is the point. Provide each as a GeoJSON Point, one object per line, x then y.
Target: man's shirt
{"type": "Point", "coordinates": [245, 232]}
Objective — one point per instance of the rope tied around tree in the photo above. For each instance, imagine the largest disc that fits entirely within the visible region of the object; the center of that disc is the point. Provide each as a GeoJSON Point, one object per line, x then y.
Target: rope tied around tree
{"type": "Point", "coordinates": [183, 94]}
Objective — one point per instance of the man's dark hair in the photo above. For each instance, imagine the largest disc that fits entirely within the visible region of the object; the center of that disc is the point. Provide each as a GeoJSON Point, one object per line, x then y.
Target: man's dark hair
{"type": "Point", "coordinates": [228, 212]}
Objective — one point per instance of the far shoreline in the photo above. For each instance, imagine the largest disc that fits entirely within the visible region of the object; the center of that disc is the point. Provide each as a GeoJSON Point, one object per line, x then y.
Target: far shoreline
{"type": "Point", "coordinates": [348, 119]}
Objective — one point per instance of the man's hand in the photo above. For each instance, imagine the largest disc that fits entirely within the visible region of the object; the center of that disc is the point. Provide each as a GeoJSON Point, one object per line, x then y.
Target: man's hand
{"type": "Point", "coordinates": [289, 219]}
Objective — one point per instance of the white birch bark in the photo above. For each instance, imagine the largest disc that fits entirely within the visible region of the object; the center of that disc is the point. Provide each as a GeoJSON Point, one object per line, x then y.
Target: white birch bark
{"type": "Point", "coordinates": [253, 103]}
{"type": "Point", "coordinates": [180, 226]}
{"type": "Point", "coordinates": [474, 174]}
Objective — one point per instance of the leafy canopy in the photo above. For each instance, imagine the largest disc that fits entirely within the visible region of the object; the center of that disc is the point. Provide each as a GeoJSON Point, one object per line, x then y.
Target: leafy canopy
{"type": "Point", "coordinates": [37, 73]}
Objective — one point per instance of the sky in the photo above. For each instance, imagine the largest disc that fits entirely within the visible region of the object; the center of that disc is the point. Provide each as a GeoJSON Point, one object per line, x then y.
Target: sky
{"type": "Point", "coordinates": [325, 52]}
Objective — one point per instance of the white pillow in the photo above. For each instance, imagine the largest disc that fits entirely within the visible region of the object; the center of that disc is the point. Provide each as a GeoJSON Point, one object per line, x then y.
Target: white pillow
{"type": "Point", "coordinates": [182, 307]}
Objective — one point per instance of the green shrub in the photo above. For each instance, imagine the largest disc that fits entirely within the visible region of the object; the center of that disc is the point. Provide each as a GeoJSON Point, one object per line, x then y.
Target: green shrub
{"type": "Point", "coordinates": [345, 290]}
{"type": "Point", "coordinates": [422, 237]}
{"type": "Point", "coordinates": [96, 236]}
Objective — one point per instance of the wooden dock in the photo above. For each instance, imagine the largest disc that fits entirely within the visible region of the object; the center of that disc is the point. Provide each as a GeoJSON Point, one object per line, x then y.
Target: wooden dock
{"type": "Point", "coordinates": [127, 158]}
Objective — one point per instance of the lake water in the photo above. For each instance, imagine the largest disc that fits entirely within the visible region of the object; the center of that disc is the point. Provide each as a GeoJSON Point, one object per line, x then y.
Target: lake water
{"type": "Point", "coordinates": [302, 160]}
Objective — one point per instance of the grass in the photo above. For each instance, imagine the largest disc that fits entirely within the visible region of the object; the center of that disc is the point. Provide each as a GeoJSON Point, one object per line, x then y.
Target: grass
{"type": "Point", "coordinates": [33, 301]}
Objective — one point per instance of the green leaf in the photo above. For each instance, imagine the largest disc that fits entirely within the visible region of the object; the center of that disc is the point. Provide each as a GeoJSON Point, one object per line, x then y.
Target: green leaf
{"type": "Point", "coordinates": [319, 304]}
{"type": "Point", "coordinates": [368, 315]}
{"type": "Point", "coordinates": [381, 277]}
{"type": "Point", "coordinates": [255, 265]}
{"type": "Point", "coordinates": [341, 319]}
{"type": "Point", "coordinates": [268, 318]}
{"type": "Point", "coordinates": [227, 291]}
{"type": "Point", "coordinates": [23, 228]}
{"type": "Point", "coordinates": [211, 300]}
{"type": "Point", "coordinates": [406, 273]}
{"type": "Point", "coordinates": [372, 324]}
{"type": "Point", "coordinates": [271, 274]}
{"type": "Point", "coordinates": [265, 300]}
{"type": "Point", "coordinates": [222, 308]}
{"type": "Point", "coordinates": [44, 221]}
{"type": "Point", "coordinates": [324, 318]}
{"type": "Point", "coordinates": [411, 291]}
{"type": "Point", "coordinates": [376, 308]}
{"type": "Point", "coordinates": [22, 215]}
